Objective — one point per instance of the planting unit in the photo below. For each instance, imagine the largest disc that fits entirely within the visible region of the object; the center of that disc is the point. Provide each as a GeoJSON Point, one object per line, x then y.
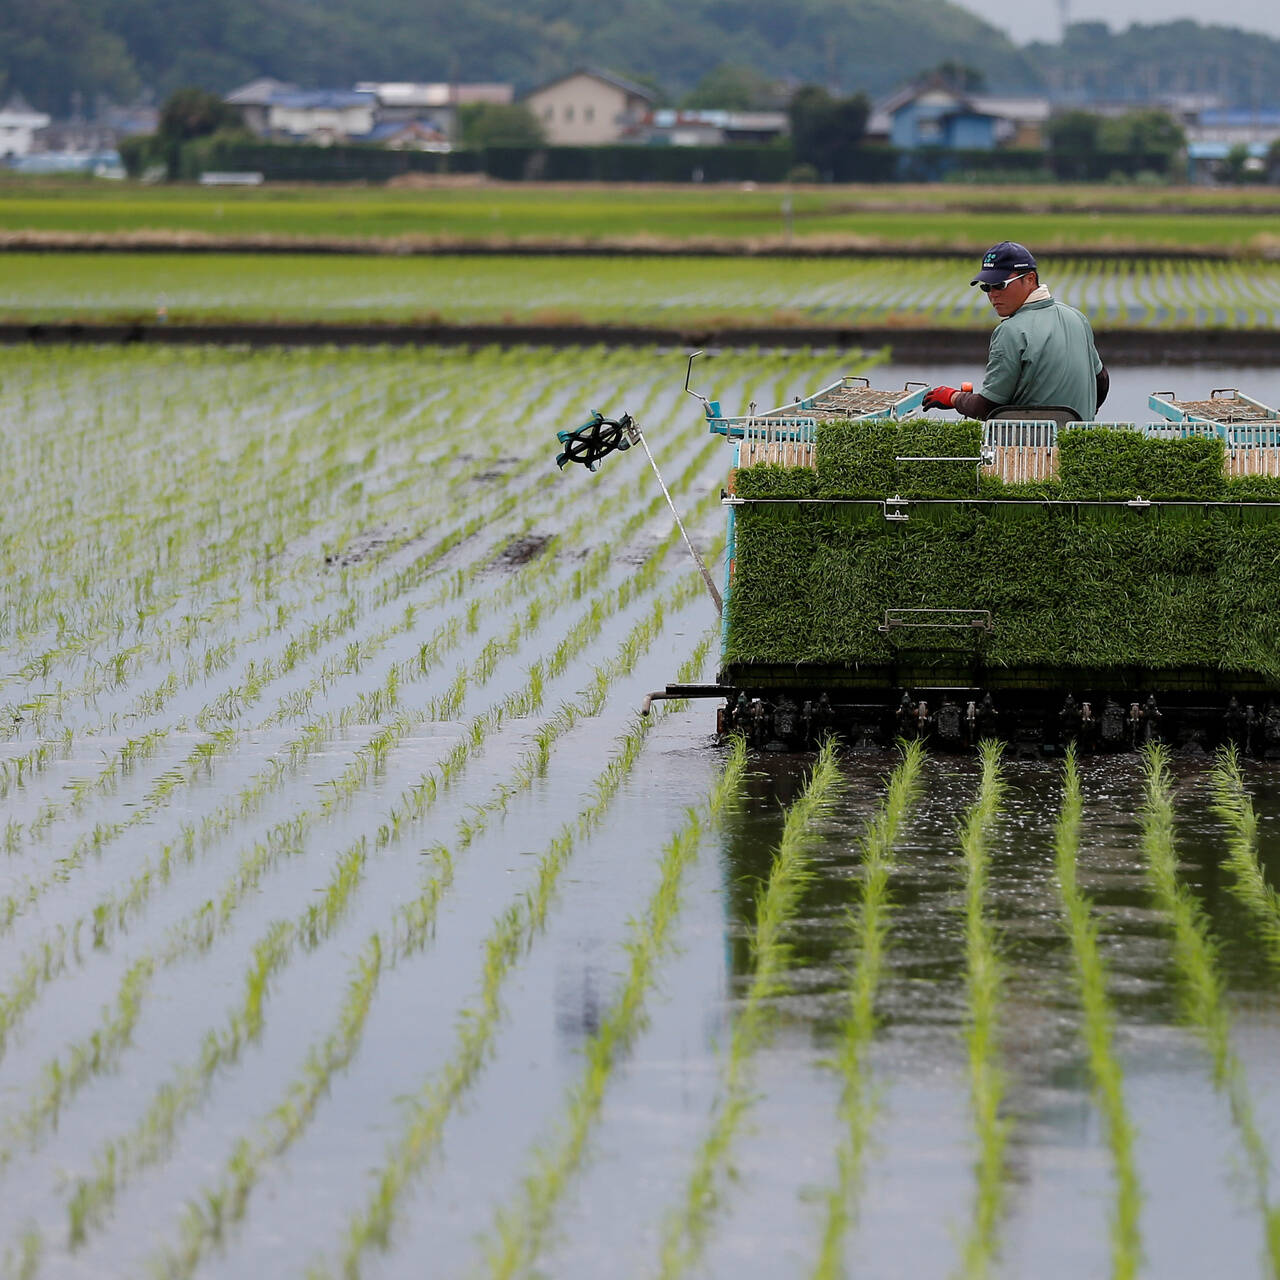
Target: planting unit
{"type": "Point", "coordinates": [1104, 582]}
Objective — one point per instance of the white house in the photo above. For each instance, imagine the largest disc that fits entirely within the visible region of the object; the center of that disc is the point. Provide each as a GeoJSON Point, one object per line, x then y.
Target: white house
{"type": "Point", "coordinates": [434, 105]}
{"type": "Point", "coordinates": [322, 115]}
{"type": "Point", "coordinates": [588, 108]}
{"type": "Point", "coordinates": [273, 109]}
{"type": "Point", "coordinates": [18, 127]}
{"type": "Point", "coordinates": [253, 101]}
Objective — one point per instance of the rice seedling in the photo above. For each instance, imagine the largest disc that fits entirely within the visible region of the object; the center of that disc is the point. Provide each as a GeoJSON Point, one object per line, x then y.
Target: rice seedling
{"type": "Point", "coordinates": [688, 1225]}
{"type": "Point", "coordinates": [1201, 985]}
{"type": "Point", "coordinates": [518, 1232]}
{"type": "Point", "coordinates": [1098, 1029]}
{"type": "Point", "coordinates": [1231, 802]}
{"type": "Point", "coordinates": [984, 982]}
{"type": "Point", "coordinates": [868, 928]}
{"type": "Point", "coordinates": [23, 1261]}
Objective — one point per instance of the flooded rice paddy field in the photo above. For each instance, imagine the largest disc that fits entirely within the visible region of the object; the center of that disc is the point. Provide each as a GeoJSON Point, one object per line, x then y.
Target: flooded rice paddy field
{"type": "Point", "coordinates": [888, 293]}
{"type": "Point", "coordinates": [352, 922]}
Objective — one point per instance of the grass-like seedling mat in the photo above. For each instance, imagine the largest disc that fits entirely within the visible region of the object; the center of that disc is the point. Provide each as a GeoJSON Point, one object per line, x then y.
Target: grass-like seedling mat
{"type": "Point", "coordinates": [1070, 586]}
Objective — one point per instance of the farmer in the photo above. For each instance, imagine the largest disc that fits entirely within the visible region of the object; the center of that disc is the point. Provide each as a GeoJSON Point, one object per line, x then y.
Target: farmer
{"type": "Point", "coordinates": [1042, 352]}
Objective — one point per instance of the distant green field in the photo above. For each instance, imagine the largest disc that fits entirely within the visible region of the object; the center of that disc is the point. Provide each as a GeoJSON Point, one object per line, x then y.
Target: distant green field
{"type": "Point", "coordinates": [1238, 221]}
{"type": "Point", "coordinates": [691, 291]}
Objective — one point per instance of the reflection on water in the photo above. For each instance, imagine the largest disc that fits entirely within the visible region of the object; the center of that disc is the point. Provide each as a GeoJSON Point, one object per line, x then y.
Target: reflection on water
{"type": "Point", "coordinates": [1059, 1164]}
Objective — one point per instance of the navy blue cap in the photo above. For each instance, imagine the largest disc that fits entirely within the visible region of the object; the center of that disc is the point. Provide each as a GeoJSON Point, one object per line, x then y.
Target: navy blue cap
{"type": "Point", "coordinates": [1008, 258]}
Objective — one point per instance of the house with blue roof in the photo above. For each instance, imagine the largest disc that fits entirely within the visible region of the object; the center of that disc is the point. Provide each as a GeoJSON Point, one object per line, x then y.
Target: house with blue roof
{"type": "Point", "coordinates": [1213, 135]}
{"type": "Point", "coordinates": [934, 116]}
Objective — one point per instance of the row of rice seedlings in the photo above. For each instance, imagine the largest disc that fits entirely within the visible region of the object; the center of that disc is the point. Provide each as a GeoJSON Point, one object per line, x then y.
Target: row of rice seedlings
{"type": "Point", "coordinates": [688, 1225]}
{"type": "Point", "coordinates": [115, 669]}
{"type": "Point", "coordinates": [984, 980]}
{"type": "Point", "coordinates": [519, 1232]}
{"type": "Point", "coordinates": [61, 1081]}
{"type": "Point", "coordinates": [457, 444]}
{"type": "Point", "coordinates": [1098, 1029]}
{"type": "Point", "coordinates": [341, 466]}
{"type": "Point", "coordinates": [114, 594]}
{"type": "Point", "coordinates": [236, 699]}
{"type": "Point", "coordinates": [207, 1218]}
{"type": "Point", "coordinates": [1231, 802]}
{"type": "Point", "coordinates": [285, 838]}
{"type": "Point", "coordinates": [1201, 984]}
{"type": "Point", "coordinates": [510, 938]}
{"type": "Point", "coordinates": [868, 928]}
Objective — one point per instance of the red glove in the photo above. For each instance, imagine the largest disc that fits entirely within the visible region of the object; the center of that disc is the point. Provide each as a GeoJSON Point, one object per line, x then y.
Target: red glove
{"type": "Point", "coordinates": [939, 398]}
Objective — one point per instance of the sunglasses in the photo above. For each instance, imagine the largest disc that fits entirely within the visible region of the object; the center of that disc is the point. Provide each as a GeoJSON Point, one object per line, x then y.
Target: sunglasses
{"type": "Point", "coordinates": [995, 288]}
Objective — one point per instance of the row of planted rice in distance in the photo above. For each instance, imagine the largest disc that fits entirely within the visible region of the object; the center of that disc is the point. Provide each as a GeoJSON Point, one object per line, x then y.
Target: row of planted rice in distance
{"type": "Point", "coordinates": [890, 292]}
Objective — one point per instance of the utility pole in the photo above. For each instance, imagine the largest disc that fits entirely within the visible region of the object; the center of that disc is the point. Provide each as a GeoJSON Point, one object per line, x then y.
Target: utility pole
{"type": "Point", "coordinates": [1064, 15]}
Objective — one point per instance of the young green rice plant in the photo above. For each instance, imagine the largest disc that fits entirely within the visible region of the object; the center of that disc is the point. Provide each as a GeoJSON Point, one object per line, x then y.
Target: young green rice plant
{"type": "Point", "coordinates": [869, 928]}
{"type": "Point", "coordinates": [519, 1232]}
{"type": "Point", "coordinates": [1231, 802]}
{"type": "Point", "coordinates": [1201, 985]}
{"type": "Point", "coordinates": [22, 1262]}
{"type": "Point", "coordinates": [1098, 1029]}
{"type": "Point", "coordinates": [984, 982]}
{"type": "Point", "coordinates": [688, 1225]}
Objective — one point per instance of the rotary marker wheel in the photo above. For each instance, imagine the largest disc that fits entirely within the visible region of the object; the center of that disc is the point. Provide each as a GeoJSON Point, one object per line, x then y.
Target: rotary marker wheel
{"type": "Point", "coordinates": [594, 440]}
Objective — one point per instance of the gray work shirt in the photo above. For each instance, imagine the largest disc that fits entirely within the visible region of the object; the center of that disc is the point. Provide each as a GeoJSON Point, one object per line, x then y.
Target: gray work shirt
{"type": "Point", "coordinates": [1043, 354]}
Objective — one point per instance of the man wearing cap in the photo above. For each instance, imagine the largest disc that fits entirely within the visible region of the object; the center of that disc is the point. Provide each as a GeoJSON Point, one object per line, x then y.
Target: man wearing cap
{"type": "Point", "coordinates": [1042, 352]}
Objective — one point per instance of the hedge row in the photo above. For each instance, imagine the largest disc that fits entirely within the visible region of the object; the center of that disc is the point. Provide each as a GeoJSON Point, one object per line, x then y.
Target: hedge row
{"type": "Point", "coordinates": [737, 163]}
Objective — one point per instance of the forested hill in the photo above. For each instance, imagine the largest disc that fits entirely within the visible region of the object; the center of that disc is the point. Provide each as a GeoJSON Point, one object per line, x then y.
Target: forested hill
{"type": "Point", "coordinates": [48, 48]}
{"type": "Point", "coordinates": [52, 48]}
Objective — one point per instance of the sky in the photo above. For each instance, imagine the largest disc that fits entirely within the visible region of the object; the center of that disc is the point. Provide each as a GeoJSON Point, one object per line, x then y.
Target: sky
{"type": "Point", "coordinates": [1027, 20]}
